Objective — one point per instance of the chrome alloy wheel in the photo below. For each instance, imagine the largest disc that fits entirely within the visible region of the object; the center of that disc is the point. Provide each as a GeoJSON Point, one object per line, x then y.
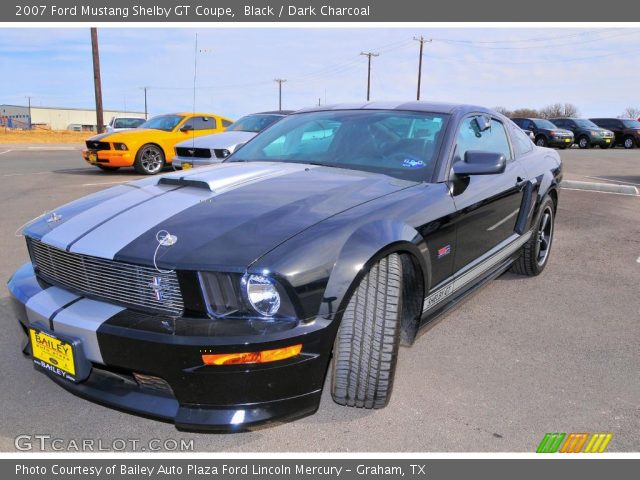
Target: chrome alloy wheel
{"type": "Point", "coordinates": [151, 159]}
{"type": "Point", "coordinates": [544, 236]}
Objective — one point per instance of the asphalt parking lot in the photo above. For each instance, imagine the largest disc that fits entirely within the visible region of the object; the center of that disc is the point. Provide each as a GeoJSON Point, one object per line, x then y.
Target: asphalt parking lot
{"type": "Point", "coordinates": [522, 357]}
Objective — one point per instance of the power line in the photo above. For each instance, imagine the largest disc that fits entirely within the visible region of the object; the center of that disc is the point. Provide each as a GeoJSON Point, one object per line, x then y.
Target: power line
{"type": "Point", "coordinates": [369, 55]}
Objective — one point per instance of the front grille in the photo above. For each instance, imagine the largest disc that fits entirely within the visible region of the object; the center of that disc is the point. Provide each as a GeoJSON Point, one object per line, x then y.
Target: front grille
{"type": "Point", "coordinates": [193, 152]}
{"type": "Point", "coordinates": [123, 283]}
{"type": "Point", "coordinates": [98, 145]}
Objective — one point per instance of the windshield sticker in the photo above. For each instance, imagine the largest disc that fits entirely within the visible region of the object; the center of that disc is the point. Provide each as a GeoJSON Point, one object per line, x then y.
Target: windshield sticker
{"type": "Point", "coordinates": [413, 163]}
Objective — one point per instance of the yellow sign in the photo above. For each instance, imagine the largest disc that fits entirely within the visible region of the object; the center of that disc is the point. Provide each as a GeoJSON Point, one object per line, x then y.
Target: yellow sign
{"type": "Point", "coordinates": [52, 351]}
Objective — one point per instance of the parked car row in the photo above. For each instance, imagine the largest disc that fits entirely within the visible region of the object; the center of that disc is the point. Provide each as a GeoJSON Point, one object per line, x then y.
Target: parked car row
{"type": "Point", "coordinates": [187, 140]}
{"type": "Point", "coordinates": [586, 133]}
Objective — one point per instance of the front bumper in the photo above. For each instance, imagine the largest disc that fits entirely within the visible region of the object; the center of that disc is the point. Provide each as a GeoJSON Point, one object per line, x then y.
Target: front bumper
{"type": "Point", "coordinates": [561, 141]}
{"type": "Point", "coordinates": [194, 162]}
{"type": "Point", "coordinates": [135, 366]}
{"type": "Point", "coordinates": [108, 158]}
{"type": "Point", "coordinates": [598, 140]}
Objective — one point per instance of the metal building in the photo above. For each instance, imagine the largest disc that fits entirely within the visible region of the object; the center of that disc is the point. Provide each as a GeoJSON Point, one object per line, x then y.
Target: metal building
{"type": "Point", "coordinates": [56, 118]}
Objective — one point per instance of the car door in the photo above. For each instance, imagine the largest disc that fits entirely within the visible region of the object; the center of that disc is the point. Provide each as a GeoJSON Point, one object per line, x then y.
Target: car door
{"type": "Point", "coordinates": [487, 205]}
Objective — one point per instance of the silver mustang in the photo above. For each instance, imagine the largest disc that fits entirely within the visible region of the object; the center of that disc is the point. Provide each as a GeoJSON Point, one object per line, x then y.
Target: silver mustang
{"type": "Point", "coordinates": [210, 149]}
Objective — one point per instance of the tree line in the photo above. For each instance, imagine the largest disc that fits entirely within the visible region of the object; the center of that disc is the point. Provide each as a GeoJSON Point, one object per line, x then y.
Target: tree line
{"type": "Point", "coordinates": [557, 110]}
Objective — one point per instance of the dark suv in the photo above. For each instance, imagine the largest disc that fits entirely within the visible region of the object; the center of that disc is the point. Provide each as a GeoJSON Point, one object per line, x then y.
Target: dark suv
{"type": "Point", "coordinates": [546, 133]}
{"type": "Point", "coordinates": [585, 132]}
{"type": "Point", "coordinates": [626, 130]}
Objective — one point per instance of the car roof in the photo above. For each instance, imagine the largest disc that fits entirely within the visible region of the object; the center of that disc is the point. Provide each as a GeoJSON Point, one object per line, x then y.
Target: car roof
{"type": "Point", "coordinates": [184, 114]}
{"type": "Point", "coordinates": [419, 106]}
{"type": "Point", "coordinates": [274, 112]}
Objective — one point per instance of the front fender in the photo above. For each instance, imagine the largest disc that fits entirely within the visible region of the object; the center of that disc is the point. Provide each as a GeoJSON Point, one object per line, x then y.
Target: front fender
{"type": "Point", "coordinates": [365, 247]}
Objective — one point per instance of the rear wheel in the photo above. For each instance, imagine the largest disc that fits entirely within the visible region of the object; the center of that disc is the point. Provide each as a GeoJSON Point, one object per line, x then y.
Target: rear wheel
{"type": "Point", "coordinates": [541, 141]}
{"type": "Point", "coordinates": [583, 142]}
{"type": "Point", "coordinates": [149, 160]}
{"type": "Point", "coordinates": [107, 168]}
{"type": "Point", "coordinates": [366, 347]}
{"type": "Point", "coordinates": [535, 253]}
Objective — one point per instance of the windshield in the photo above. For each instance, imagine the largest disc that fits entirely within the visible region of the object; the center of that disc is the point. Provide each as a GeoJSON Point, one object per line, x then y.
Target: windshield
{"type": "Point", "coordinates": [253, 123]}
{"type": "Point", "coordinates": [128, 122]}
{"type": "Point", "coordinates": [631, 123]}
{"type": "Point", "coordinates": [583, 123]}
{"type": "Point", "coordinates": [396, 143]}
{"type": "Point", "coordinates": [544, 124]}
{"type": "Point", "coordinates": [163, 122]}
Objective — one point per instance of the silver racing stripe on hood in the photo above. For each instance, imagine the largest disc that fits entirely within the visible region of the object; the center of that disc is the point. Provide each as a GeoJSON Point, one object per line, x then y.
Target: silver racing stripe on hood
{"type": "Point", "coordinates": [106, 239]}
{"type": "Point", "coordinates": [63, 235]}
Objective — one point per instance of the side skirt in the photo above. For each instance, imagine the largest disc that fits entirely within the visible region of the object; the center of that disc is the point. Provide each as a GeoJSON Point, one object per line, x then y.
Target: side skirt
{"type": "Point", "coordinates": [470, 278]}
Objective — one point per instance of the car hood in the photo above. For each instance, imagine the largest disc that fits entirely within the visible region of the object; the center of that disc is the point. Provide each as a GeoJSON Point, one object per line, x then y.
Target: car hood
{"type": "Point", "coordinates": [223, 217]}
{"type": "Point", "coordinates": [217, 140]}
{"type": "Point", "coordinates": [123, 136]}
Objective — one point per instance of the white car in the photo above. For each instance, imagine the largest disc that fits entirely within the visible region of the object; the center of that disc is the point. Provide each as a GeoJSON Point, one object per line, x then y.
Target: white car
{"type": "Point", "coordinates": [120, 124]}
{"type": "Point", "coordinates": [210, 149]}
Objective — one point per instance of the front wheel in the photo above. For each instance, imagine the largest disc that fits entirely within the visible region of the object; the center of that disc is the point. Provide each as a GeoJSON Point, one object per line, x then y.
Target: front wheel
{"type": "Point", "coordinates": [629, 143]}
{"type": "Point", "coordinates": [535, 253]}
{"type": "Point", "coordinates": [583, 142]}
{"type": "Point", "coordinates": [541, 141]}
{"type": "Point", "coordinates": [149, 160]}
{"type": "Point", "coordinates": [366, 347]}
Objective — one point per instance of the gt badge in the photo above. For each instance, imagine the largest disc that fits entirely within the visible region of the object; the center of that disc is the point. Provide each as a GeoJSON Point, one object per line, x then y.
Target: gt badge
{"type": "Point", "coordinates": [446, 250]}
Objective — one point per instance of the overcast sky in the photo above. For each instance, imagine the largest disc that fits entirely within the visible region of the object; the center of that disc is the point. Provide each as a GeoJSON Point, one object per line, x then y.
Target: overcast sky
{"type": "Point", "coordinates": [595, 69]}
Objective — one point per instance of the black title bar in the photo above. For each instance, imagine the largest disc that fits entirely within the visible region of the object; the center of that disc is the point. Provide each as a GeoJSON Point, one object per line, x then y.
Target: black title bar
{"type": "Point", "coordinates": [229, 11]}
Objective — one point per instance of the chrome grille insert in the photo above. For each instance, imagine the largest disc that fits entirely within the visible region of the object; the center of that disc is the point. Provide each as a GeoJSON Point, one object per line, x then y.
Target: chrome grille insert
{"type": "Point", "coordinates": [122, 283]}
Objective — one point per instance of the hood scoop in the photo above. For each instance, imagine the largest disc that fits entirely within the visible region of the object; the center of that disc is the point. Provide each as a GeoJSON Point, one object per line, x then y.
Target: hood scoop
{"type": "Point", "coordinates": [228, 176]}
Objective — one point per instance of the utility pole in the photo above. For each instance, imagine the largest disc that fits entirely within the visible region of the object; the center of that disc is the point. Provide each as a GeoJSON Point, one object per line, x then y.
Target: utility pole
{"type": "Point", "coordinates": [369, 55]}
{"type": "Point", "coordinates": [29, 100]}
{"type": "Point", "coordinates": [145, 102]}
{"type": "Point", "coordinates": [96, 80]}
{"type": "Point", "coordinates": [280, 82]}
{"type": "Point", "coordinates": [422, 41]}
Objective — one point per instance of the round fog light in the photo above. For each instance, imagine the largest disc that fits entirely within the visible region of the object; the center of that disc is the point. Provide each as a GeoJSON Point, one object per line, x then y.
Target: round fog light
{"type": "Point", "coordinates": [263, 295]}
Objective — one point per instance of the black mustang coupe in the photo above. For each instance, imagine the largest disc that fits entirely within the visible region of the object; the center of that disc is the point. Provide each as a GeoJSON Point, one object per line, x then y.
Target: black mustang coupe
{"type": "Point", "coordinates": [216, 298]}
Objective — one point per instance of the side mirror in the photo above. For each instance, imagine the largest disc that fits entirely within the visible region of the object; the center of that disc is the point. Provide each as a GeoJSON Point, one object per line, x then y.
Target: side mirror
{"type": "Point", "coordinates": [186, 128]}
{"type": "Point", "coordinates": [480, 163]}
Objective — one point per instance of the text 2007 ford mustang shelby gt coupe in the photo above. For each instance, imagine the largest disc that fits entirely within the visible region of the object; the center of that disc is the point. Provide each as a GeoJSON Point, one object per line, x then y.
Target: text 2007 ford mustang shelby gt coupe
{"type": "Point", "coordinates": [215, 298]}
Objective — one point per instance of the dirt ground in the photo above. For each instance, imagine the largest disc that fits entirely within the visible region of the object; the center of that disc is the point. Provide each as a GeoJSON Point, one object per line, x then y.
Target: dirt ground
{"type": "Point", "coordinates": [42, 136]}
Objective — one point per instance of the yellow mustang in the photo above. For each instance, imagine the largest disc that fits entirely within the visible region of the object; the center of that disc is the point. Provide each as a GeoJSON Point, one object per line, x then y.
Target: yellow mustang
{"type": "Point", "coordinates": [149, 147]}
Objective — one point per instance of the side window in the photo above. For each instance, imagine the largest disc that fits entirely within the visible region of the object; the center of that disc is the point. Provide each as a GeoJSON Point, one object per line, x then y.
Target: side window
{"type": "Point", "coordinates": [493, 139]}
{"type": "Point", "coordinates": [522, 144]}
{"type": "Point", "coordinates": [226, 123]}
{"type": "Point", "coordinates": [202, 123]}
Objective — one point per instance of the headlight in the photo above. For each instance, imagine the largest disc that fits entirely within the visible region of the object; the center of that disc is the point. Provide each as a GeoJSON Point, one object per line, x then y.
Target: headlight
{"type": "Point", "coordinates": [120, 146]}
{"type": "Point", "coordinates": [262, 294]}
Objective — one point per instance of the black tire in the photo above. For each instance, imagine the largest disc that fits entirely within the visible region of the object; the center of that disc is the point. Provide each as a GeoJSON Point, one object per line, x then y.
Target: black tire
{"type": "Point", "coordinates": [366, 347]}
{"type": "Point", "coordinates": [541, 141]}
{"type": "Point", "coordinates": [107, 168]}
{"type": "Point", "coordinates": [149, 159]}
{"type": "Point", "coordinates": [628, 142]}
{"type": "Point", "coordinates": [531, 262]}
{"type": "Point", "coordinates": [584, 142]}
